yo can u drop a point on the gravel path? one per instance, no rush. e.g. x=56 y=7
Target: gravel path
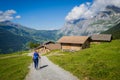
x=48 y=71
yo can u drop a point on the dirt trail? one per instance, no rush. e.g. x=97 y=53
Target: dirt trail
x=48 y=71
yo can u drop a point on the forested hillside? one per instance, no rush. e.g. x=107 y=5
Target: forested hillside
x=11 y=43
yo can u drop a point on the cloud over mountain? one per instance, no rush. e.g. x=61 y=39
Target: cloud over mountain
x=17 y=17
x=8 y=15
x=88 y=10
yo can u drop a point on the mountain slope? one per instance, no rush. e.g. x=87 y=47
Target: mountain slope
x=115 y=31
x=102 y=21
x=11 y=43
x=45 y=35
x=14 y=37
x=37 y=35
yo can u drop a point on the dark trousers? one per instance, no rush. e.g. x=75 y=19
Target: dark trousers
x=36 y=63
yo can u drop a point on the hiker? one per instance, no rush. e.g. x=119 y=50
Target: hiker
x=35 y=58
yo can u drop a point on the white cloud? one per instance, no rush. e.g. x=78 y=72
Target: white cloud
x=88 y=3
x=9 y=12
x=18 y=16
x=87 y=10
x=7 y=15
x=77 y=12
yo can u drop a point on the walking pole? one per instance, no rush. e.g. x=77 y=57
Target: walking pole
x=33 y=63
x=40 y=61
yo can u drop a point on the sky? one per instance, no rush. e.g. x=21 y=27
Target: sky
x=41 y=14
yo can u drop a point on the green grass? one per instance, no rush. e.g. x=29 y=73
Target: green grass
x=14 y=68
x=15 y=54
x=100 y=62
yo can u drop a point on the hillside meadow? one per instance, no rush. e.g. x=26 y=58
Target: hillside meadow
x=99 y=62
x=14 y=66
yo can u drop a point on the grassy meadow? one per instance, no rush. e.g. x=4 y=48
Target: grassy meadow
x=99 y=62
x=14 y=66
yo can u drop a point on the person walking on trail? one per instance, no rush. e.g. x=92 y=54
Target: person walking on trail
x=35 y=58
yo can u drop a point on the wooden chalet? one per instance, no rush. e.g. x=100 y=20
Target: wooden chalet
x=101 y=38
x=48 y=46
x=74 y=43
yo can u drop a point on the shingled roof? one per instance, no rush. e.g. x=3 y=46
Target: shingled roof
x=53 y=46
x=48 y=42
x=101 y=37
x=73 y=39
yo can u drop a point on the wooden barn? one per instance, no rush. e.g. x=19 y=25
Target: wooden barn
x=47 y=47
x=74 y=43
x=101 y=38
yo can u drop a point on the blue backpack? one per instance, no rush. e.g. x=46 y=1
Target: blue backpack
x=35 y=56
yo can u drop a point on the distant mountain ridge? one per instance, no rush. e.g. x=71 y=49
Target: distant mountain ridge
x=37 y=35
x=102 y=21
x=14 y=37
